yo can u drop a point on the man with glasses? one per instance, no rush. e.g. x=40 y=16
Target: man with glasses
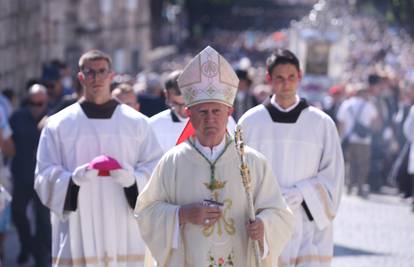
x=26 y=134
x=170 y=123
x=94 y=157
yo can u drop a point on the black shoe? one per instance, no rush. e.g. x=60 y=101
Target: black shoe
x=23 y=257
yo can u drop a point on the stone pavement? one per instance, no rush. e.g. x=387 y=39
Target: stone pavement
x=377 y=231
x=373 y=232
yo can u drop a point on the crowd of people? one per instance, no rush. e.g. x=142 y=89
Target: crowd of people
x=112 y=164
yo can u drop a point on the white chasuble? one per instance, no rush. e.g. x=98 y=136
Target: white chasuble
x=305 y=154
x=102 y=231
x=184 y=176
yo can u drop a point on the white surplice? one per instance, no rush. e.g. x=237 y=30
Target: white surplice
x=306 y=154
x=102 y=231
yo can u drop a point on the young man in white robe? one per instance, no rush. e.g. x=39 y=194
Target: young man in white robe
x=179 y=228
x=92 y=209
x=303 y=148
x=170 y=123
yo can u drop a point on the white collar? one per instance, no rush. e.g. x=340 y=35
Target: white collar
x=276 y=105
x=211 y=153
x=178 y=116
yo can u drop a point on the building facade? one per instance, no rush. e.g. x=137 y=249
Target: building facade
x=35 y=32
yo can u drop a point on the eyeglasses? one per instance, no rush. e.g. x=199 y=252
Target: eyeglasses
x=37 y=104
x=96 y=74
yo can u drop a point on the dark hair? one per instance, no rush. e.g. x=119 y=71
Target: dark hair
x=243 y=75
x=374 y=79
x=9 y=93
x=94 y=55
x=171 y=84
x=281 y=56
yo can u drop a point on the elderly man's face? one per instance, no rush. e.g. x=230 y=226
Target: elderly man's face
x=210 y=122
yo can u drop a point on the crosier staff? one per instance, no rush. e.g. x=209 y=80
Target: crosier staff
x=246 y=179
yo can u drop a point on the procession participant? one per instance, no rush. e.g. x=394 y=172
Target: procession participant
x=302 y=145
x=194 y=210
x=94 y=157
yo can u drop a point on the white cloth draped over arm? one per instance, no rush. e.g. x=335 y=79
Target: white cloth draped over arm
x=322 y=193
x=51 y=179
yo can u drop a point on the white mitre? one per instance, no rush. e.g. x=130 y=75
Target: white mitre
x=208 y=78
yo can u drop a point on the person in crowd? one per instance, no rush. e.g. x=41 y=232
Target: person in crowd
x=244 y=97
x=124 y=93
x=333 y=100
x=152 y=99
x=379 y=147
x=194 y=211
x=354 y=113
x=302 y=145
x=169 y=124
x=399 y=172
x=94 y=158
x=51 y=78
x=23 y=123
x=6 y=151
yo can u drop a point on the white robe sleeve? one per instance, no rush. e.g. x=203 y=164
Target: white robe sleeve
x=51 y=178
x=150 y=153
x=322 y=193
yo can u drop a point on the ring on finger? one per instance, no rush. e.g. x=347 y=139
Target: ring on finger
x=206 y=221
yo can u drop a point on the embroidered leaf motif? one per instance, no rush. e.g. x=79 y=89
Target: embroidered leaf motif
x=216 y=184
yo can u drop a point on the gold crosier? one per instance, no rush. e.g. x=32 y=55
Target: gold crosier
x=215 y=185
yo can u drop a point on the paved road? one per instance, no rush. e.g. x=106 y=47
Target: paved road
x=378 y=231
x=373 y=232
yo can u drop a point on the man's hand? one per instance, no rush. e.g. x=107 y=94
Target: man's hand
x=83 y=174
x=199 y=213
x=293 y=197
x=124 y=177
x=255 y=230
